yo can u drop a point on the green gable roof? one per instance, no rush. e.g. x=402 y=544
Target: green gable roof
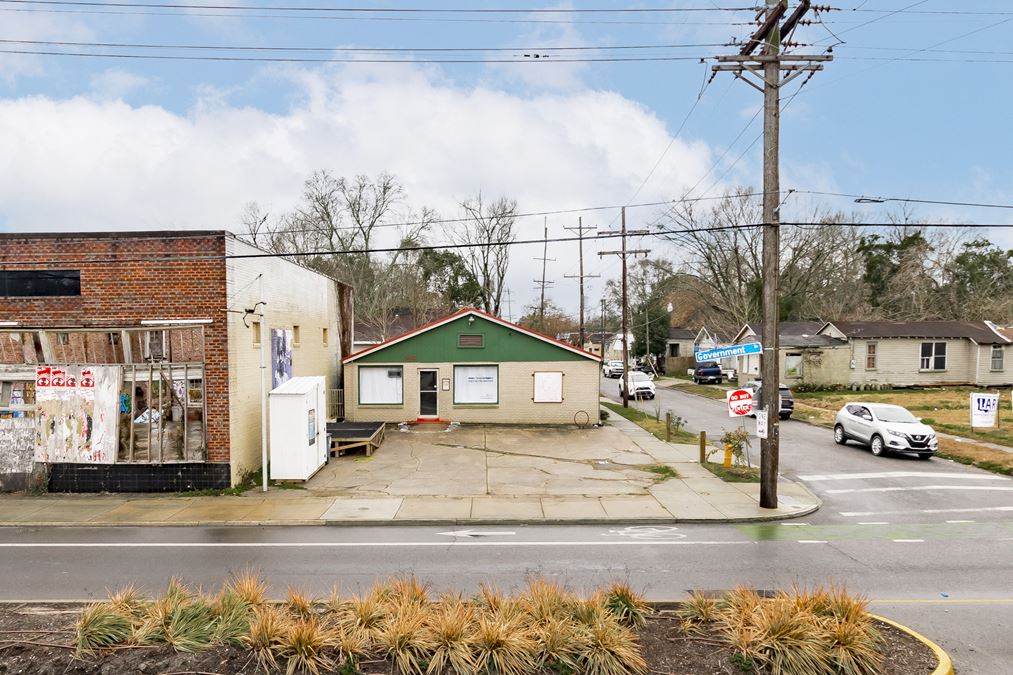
x=502 y=342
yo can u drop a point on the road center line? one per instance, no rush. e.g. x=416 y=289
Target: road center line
x=909 y=541
x=860 y=514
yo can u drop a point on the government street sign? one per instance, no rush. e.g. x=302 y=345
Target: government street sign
x=729 y=352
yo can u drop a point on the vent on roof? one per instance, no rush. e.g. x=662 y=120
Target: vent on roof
x=473 y=340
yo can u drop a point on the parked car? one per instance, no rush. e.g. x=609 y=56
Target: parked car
x=708 y=371
x=640 y=385
x=612 y=369
x=787 y=399
x=885 y=428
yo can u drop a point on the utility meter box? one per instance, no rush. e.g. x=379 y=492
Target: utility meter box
x=298 y=417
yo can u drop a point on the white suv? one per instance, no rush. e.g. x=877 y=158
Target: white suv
x=640 y=385
x=885 y=428
x=612 y=369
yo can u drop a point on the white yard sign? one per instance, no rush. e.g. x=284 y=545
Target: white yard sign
x=984 y=410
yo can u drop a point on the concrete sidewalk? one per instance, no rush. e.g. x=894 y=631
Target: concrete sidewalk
x=696 y=496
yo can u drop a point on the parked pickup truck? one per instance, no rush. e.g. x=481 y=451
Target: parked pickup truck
x=708 y=371
x=612 y=369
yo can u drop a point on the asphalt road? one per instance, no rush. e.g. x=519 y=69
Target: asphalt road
x=931 y=544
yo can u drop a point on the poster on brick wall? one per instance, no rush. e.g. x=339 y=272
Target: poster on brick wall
x=76 y=423
x=281 y=356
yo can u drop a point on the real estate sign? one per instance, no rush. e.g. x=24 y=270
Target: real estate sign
x=984 y=409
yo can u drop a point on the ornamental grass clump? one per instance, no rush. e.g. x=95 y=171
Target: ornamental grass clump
x=365 y=615
x=100 y=626
x=405 y=640
x=250 y=588
x=305 y=646
x=268 y=633
x=612 y=650
x=504 y=646
x=545 y=600
x=451 y=627
x=819 y=632
x=232 y=617
x=560 y=644
x=191 y=626
x=631 y=608
x=299 y=603
x=697 y=612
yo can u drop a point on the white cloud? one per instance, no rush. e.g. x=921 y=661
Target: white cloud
x=83 y=163
x=115 y=83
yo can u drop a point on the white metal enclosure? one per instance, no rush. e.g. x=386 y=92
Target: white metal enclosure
x=298 y=417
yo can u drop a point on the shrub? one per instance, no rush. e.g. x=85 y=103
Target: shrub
x=100 y=626
x=232 y=618
x=699 y=610
x=190 y=627
x=603 y=415
x=545 y=600
x=365 y=615
x=408 y=592
x=738 y=441
x=561 y=643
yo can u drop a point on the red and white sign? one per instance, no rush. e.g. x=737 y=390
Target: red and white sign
x=740 y=402
x=59 y=378
x=87 y=378
x=43 y=376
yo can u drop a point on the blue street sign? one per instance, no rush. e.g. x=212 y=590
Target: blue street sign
x=729 y=352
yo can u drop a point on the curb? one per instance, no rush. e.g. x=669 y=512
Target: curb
x=945 y=666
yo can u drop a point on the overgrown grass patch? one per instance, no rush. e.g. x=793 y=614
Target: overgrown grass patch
x=736 y=474
x=649 y=423
x=662 y=471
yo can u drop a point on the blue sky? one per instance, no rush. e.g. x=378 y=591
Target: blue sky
x=100 y=143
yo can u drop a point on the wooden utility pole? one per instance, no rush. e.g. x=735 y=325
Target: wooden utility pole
x=624 y=253
x=543 y=283
x=580 y=247
x=767 y=68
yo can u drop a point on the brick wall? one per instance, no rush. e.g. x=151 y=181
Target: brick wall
x=135 y=287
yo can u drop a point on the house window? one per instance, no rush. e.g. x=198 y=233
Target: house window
x=154 y=345
x=474 y=340
x=63 y=338
x=548 y=387
x=933 y=356
x=295 y=336
x=997 y=357
x=870 y=355
x=793 y=365
x=476 y=384
x=324 y=337
x=381 y=385
x=35 y=283
x=256 y=333
x=673 y=350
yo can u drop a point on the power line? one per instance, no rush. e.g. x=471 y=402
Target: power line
x=292 y=59
x=363 y=50
x=383 y=10
x=874 y=199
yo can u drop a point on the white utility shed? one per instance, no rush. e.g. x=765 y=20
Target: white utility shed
x=298 y=417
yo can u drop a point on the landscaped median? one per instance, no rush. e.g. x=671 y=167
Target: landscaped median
x=402 y=626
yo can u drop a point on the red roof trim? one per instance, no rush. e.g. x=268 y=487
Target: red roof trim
x=458 y=314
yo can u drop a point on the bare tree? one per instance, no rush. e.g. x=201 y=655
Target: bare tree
x=489 y=229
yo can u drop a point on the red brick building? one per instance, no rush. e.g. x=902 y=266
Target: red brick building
x=127 y=360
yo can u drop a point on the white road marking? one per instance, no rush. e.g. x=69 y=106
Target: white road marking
x=874 y=522
x=477 y=533
x=901 y=474
x=909 y=541
x=960 y=521
x=860 y=514
x=812 y=541
x=795 y=524
x=364 y=544
x=919 y=488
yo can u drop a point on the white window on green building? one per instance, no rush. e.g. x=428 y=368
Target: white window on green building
x=381 y=385
x=476 y=385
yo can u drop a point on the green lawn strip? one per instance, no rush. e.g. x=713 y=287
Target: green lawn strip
x=649 y=423
x=736 y=474
x=712 y=391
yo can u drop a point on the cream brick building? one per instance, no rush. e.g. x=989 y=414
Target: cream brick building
x=472 y=367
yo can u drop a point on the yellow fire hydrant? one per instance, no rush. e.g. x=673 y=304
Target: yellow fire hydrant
x=728 y=456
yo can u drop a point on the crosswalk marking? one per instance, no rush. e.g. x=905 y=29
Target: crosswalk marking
x=919 y=488
x=901 y=474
